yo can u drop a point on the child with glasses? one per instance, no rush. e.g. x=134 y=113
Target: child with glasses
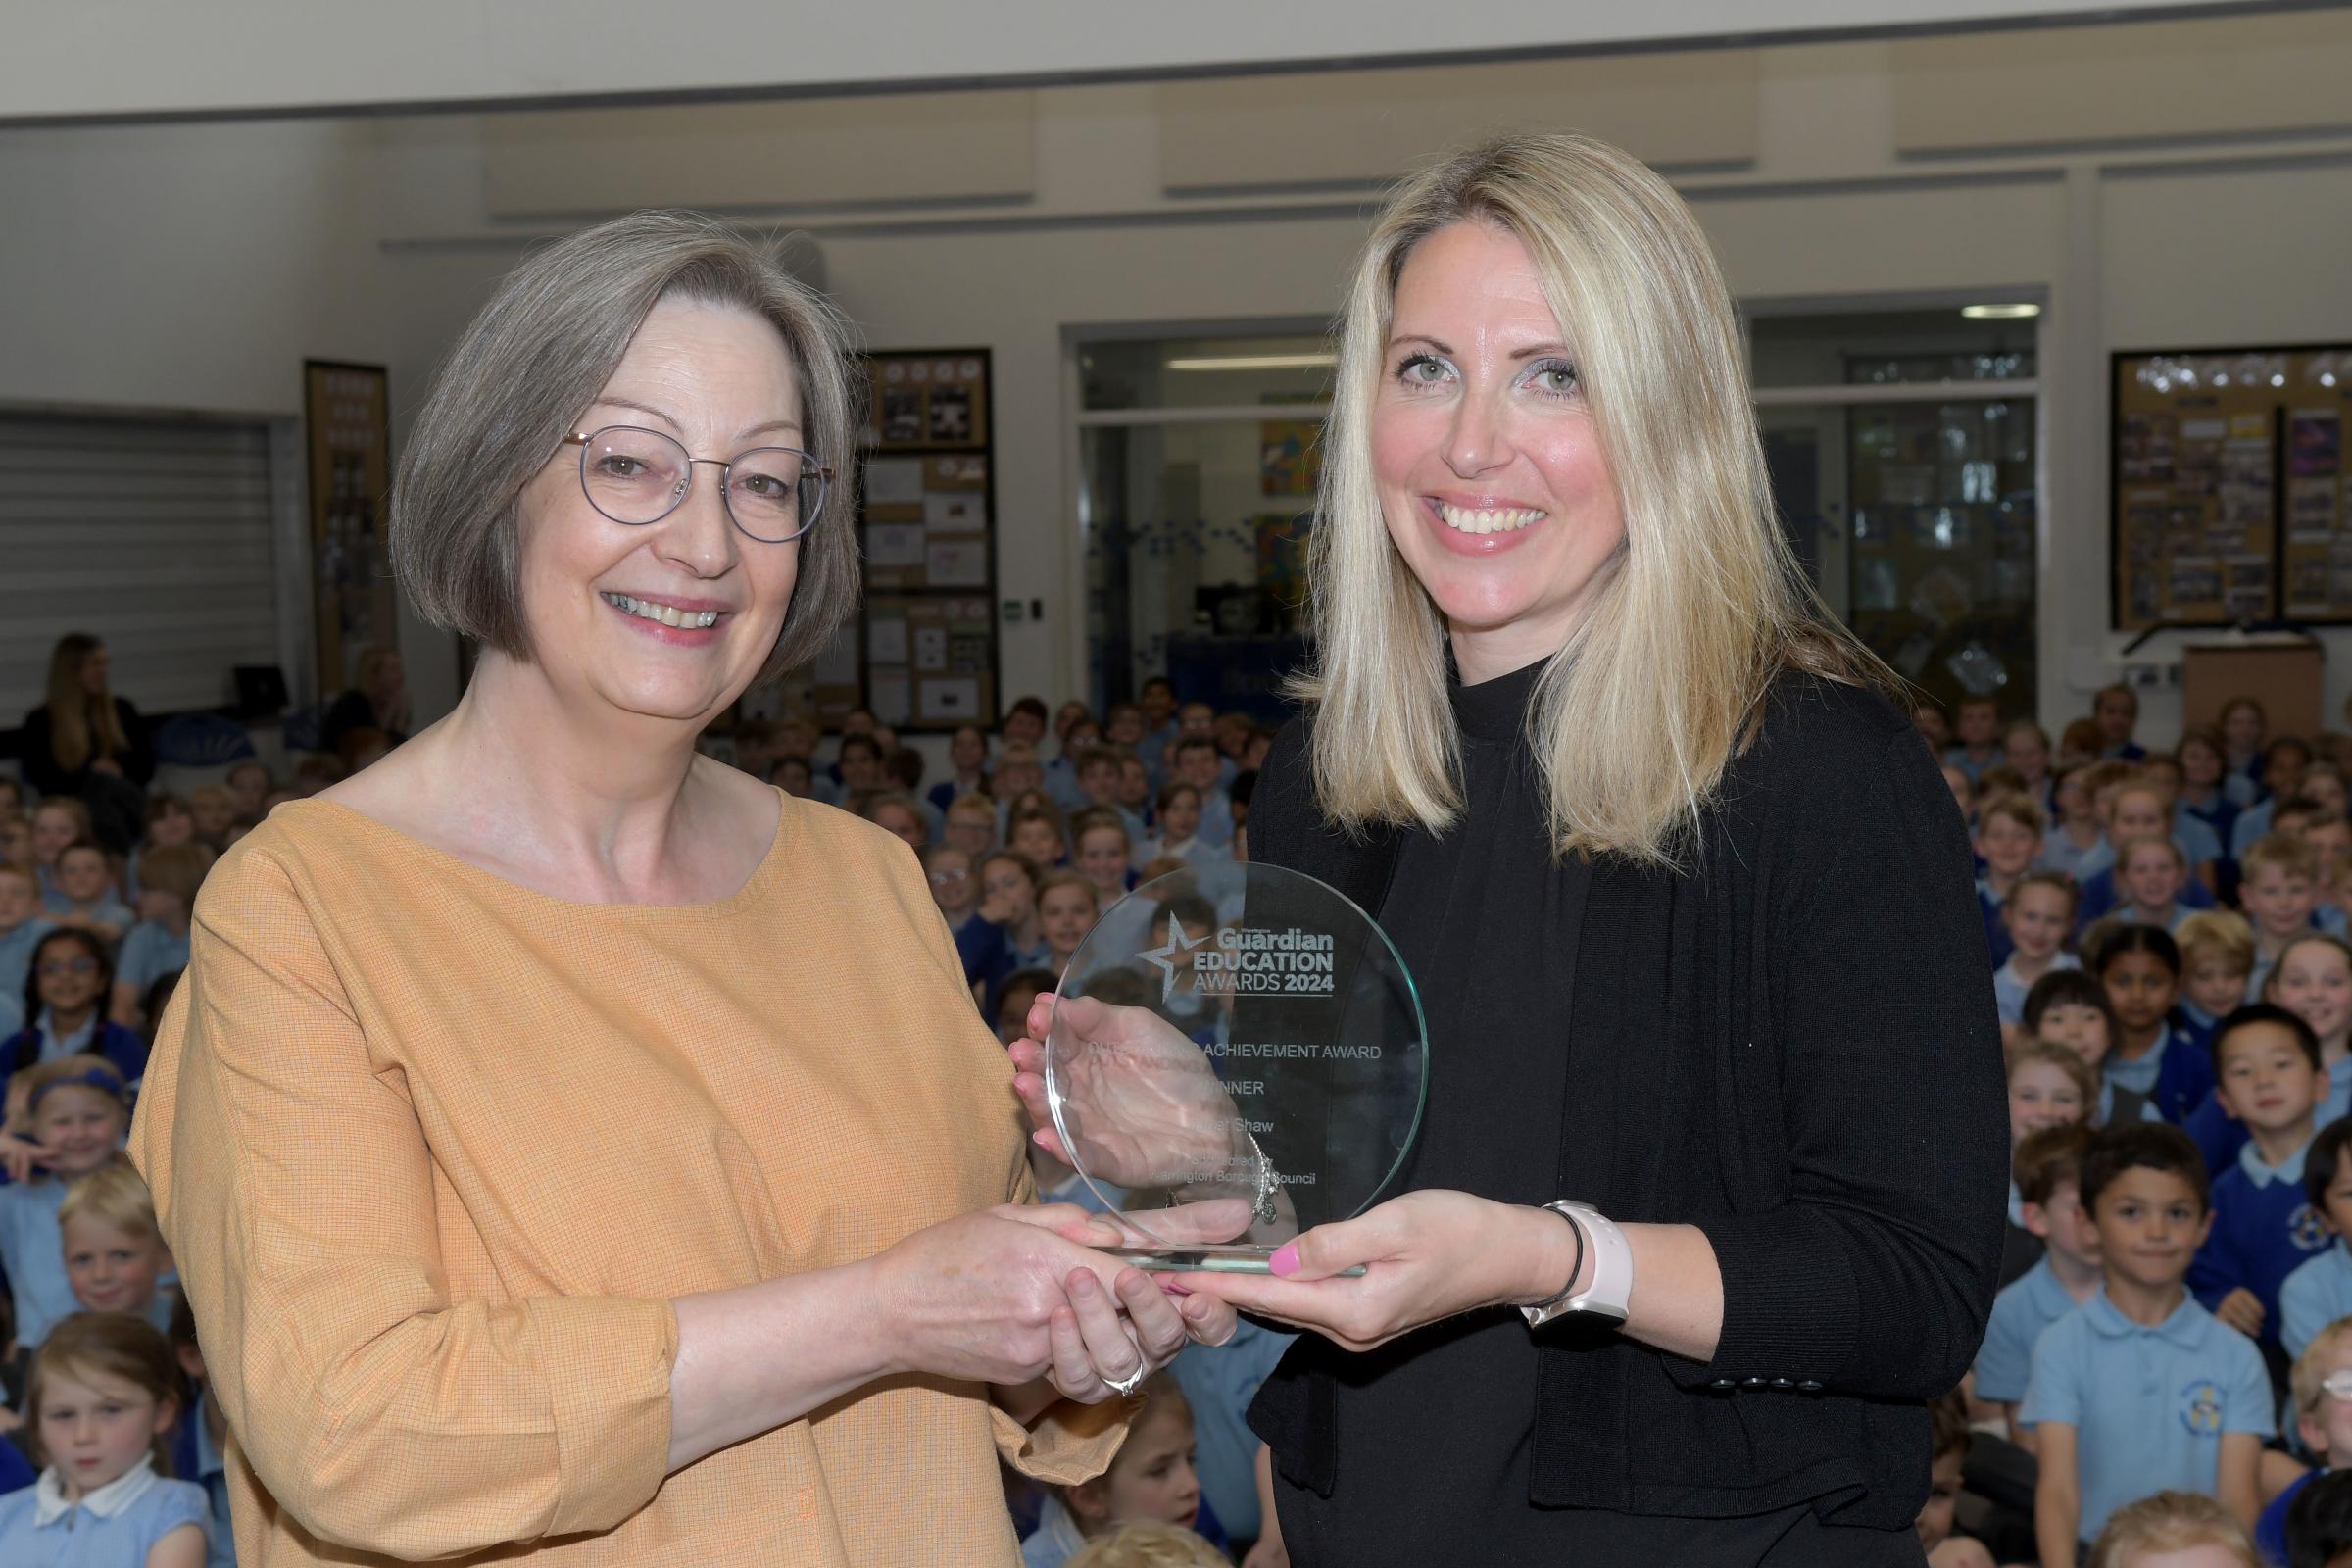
x=2323 y=1388
x=66 y=993
x=77 y=1111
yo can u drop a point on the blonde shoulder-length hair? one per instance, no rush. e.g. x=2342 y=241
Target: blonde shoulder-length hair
x=1702 y=606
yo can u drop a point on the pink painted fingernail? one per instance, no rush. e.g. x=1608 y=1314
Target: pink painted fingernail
x=1285 y=1261
x=1171 y=1288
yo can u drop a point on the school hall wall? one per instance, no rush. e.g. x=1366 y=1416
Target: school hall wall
x=196 y=266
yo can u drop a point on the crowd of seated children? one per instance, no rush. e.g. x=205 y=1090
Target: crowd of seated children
x=2203 y=895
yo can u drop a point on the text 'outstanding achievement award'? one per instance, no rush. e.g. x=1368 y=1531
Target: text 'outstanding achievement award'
x=1238 y=1054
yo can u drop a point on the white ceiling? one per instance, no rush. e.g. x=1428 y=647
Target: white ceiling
x=101 y=58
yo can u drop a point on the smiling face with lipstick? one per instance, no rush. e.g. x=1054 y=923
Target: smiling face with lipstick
x=1487 y=459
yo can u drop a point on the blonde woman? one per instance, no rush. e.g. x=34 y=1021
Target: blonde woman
x=1717 y=1097
x=505 y=1127
x=90 y=745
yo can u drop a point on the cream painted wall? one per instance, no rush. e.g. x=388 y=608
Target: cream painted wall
x=197 y=267
x=187 y=265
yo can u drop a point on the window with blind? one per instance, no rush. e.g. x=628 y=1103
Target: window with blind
x=153 y=534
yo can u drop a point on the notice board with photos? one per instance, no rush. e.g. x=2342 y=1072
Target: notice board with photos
x=2232 y=498
x=927 y=527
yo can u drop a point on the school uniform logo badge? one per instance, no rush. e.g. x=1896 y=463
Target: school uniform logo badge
x=2201 y=1408
x=2307 y=1230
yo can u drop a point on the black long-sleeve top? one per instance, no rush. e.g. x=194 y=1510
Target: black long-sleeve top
x=1793 y=1045
x=46 y=774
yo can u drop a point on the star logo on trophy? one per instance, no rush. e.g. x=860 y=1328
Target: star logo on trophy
x=1169 y=957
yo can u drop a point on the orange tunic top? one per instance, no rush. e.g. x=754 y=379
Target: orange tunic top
x=434 y=1151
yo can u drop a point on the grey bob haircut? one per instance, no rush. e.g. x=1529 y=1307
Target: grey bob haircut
x=523 y=375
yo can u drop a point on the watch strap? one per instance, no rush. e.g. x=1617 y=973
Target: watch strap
x=1608 y=1295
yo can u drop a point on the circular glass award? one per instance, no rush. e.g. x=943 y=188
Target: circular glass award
x=1238 y=1054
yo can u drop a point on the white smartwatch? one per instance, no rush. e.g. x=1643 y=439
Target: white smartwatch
x=1612 y=1287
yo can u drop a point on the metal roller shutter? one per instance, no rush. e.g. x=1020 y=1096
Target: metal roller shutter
x=153 y=534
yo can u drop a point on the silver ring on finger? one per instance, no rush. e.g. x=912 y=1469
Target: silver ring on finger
x=1131 y=1381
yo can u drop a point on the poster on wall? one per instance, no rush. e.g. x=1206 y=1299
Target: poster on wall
x=346 y=418
x=927 y=520
x=2231 y=498
x=930 y=659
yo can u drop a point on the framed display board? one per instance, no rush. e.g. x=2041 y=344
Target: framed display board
x=348 y=425
x=2231 y=495
x=927 y=513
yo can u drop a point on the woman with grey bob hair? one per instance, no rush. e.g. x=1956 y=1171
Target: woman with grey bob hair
x=571 y=1144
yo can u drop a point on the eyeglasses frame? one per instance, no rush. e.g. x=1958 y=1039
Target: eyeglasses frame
x=727 y=467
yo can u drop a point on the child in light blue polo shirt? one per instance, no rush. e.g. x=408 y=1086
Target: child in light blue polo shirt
x=2048 y=1169
x=2320 y=1291
x=2141 y=1390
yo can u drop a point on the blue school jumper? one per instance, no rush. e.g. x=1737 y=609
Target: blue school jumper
x=2264 y=1229
x=2149 y=1406
x=2269 y=1531
x=2315 y=1296
x=2220 y=819
x=2025 y=1307
x=2170 y=1075
x=1997 y=935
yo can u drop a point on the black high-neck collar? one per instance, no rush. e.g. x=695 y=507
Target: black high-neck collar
x=1495 y=709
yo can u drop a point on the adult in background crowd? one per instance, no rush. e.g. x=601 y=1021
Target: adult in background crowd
x=378 y=699
x=90 y=745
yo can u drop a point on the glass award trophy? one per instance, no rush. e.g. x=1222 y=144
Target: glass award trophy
x=1236 y=1055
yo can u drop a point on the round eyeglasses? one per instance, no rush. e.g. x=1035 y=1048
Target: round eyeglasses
x=637 y=476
